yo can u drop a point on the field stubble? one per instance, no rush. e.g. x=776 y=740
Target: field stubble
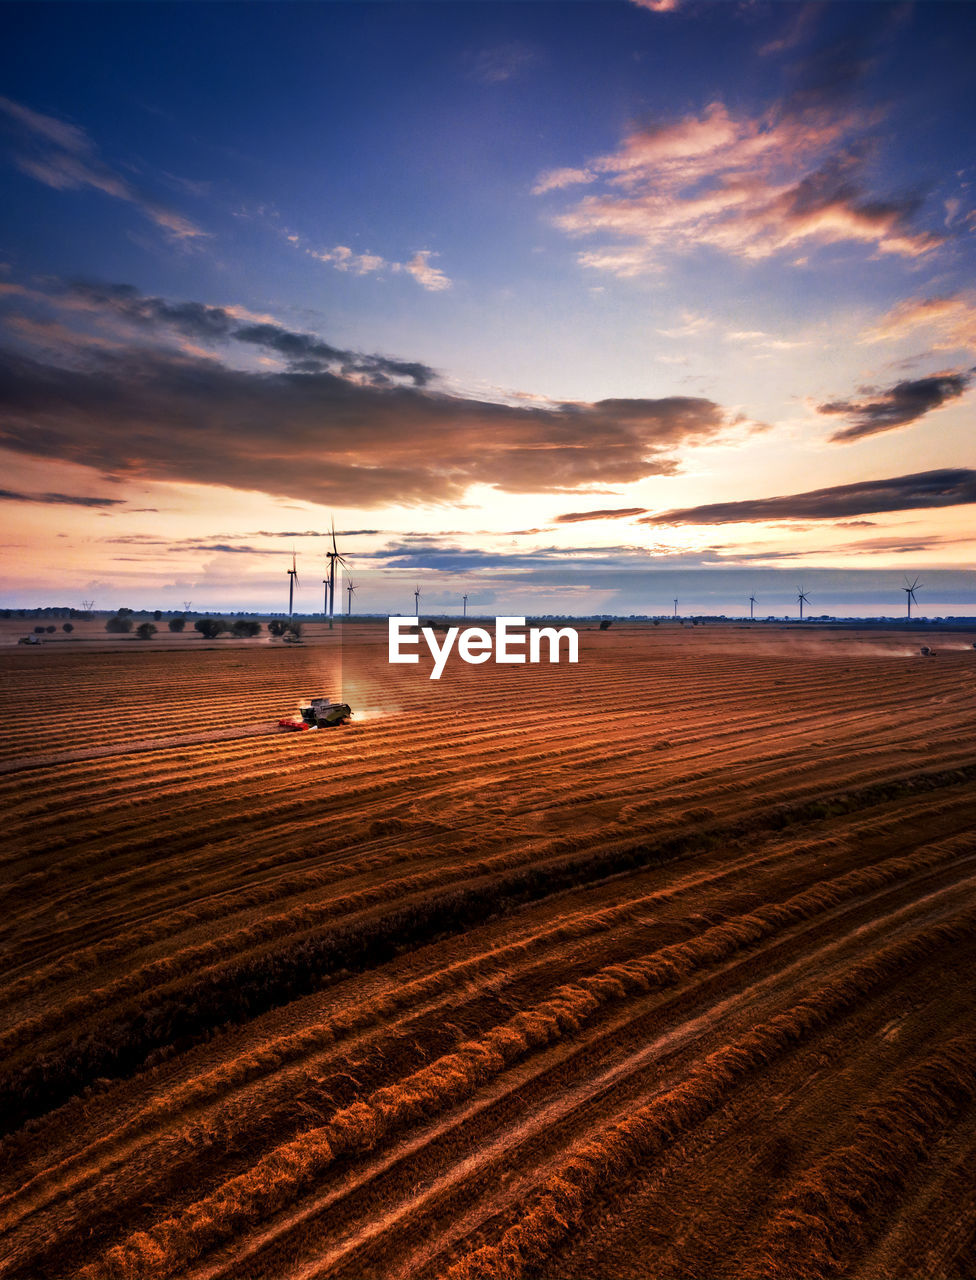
x=656 y=966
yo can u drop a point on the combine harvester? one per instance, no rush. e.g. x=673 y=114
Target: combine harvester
x=318 y=713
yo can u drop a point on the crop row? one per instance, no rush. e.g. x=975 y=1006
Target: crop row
x=562 y=1202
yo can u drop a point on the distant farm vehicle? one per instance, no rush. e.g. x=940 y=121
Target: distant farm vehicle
x=30 y=640
x=926 y=652
x=318 y=713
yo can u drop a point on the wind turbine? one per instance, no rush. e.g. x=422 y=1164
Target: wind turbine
x=676 y=606
x=803 y=599
x=416 y=601
x=350 y=588
x=465 y=604
x=334 y=559
x=292 y=581
x=752 y=607
x=910 y=595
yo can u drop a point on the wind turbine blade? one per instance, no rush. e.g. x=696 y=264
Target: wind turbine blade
x=334 y=547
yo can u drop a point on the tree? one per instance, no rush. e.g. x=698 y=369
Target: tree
x=68 y=626
x=50 y=629
x=119 y=624
x=277 y=627
x=145 y=630
x=176 y=624
x=124 y=613
x=38 y=631
x=157 y=614
x=210 y=628
x=244 y=628
x=295 y=628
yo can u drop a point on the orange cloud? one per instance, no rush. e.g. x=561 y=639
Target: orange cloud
x=950 y=320
x=749 y=187
x=422 y=270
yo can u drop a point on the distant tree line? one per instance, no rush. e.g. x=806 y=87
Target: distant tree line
x=209 y=628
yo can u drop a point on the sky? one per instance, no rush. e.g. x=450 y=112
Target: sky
x=564 y=306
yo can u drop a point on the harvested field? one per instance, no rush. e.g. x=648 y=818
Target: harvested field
x=656 y=966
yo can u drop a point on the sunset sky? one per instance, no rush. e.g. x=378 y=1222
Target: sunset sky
x=543 y=302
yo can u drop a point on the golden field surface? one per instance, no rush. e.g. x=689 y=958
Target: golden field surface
x=656 y=966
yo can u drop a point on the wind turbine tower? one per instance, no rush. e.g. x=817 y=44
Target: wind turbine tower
x=676 y=606
x=292 y=580
x=909 y=590
x=464 y=600
x=416 y=601
x=334 y=559
x=752 y=608
x=803 y=599
x=350 y=588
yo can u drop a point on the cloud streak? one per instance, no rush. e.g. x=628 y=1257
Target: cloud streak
x=607 y=513
x=925 y=490
x=59 y=499
x=951 y=322
x=62 y=156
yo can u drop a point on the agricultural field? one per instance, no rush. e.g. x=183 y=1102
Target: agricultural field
x=657 y=966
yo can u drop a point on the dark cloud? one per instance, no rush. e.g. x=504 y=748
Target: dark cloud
x=608 y=513
x=153 y=415
x=315 y=533
x=304 y=352
x=454 y=559
x=927 y=489
x=898 y=406
x=224 y=547
x=59 y=499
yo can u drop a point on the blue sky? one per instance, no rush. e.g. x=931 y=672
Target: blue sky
x=464 y=270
